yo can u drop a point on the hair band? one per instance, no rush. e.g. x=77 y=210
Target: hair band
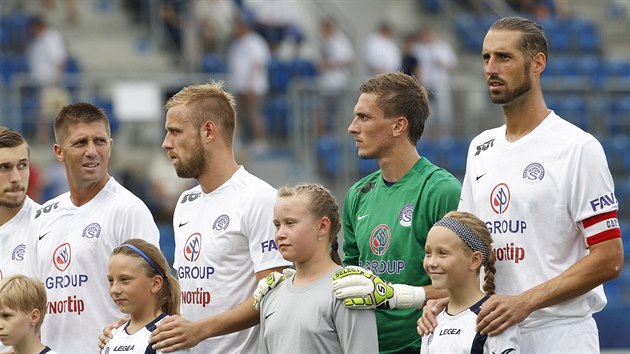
x=146 y=258
x=467 y=235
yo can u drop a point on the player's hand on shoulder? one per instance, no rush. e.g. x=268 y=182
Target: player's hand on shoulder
x=500 y=312
x=104 y=337
x=269 y=282
x=175 y=333
x=427 y=322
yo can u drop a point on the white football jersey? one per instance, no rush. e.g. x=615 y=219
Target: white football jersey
x=13 y=240
x=544 y=198
x=71 y=255
x=137 y=343
x=222 y=239
x=456 y=334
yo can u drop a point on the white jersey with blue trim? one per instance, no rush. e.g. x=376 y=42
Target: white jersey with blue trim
x=456 y=334
x=544 y=198
x=137 y=343
x=71 y=254
x=13 y=240
x=222 y=239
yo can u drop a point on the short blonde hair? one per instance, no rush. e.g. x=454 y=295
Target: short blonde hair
x=208 y=102
x=24 y=294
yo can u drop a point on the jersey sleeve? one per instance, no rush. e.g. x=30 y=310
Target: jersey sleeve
x=443 y=197
x=260 y=231
x=592 y=201
x=466 y=197
x=138 y=223
x=350 y=248
x=506 y=342
x=424 y=347
x=356 y=329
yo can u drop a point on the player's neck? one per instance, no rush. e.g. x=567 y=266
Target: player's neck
x=396 y=165
x=312 y=270
x=28 y=345
x=81 y=194
x=462 y=298
x=523 y=116
x=7 y=214
x=140 y=320
x=217 y=172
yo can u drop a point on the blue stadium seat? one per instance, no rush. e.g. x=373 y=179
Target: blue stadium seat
x=279 y=75
x=212 y=63
x=328 y=155
x=303 y=68
x=618 y=117
x=276 y=112
x=574 y=109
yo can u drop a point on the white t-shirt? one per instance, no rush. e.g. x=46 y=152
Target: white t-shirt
x=456 y=334
x=221 y=240
x=544 y=198
x=46 y=55
x=13 y=240
x=337 y=52
x=71 y=255
x=382 y=54
x=247 y=64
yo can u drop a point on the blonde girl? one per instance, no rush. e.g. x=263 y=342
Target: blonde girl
x=301 y=314
x=141 y=285
x=457 y=247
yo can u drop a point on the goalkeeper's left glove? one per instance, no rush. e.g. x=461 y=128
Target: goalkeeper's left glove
x=269 y=282
x=360 y=289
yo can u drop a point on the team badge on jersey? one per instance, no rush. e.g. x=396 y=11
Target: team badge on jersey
x=379 y=239
x=221 y=223
x=62 y=256
x=405 y=215
x=192 y=247
x=533 y=173
x=92 y=231
x=18 y=253
x=500 y=198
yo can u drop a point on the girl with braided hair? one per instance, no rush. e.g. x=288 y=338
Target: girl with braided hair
x=457 y=247
x=301 y=314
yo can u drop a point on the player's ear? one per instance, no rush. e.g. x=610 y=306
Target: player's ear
x=157 y=284
x=400 y=126
x=35 y=317
x=58 y=152
x=476 y=260
x=208 y=130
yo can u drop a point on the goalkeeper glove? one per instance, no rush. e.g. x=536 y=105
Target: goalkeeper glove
x=360 y=289
x=269 y=282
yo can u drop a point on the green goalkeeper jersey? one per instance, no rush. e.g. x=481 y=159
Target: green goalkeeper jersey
x=385 y=230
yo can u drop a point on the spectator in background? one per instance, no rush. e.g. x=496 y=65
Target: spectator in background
x=248 y=58
x=337 y=55
x=214 y=22
x=47 y=55
x=410 y=64
x=437 y=59
x=382 y=53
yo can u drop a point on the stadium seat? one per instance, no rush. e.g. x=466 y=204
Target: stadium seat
x=574 y=109
x=303 y=68
x=276 y=112
x=328 y=156
x=212 y=63
x=279 y=75
x=618 y=117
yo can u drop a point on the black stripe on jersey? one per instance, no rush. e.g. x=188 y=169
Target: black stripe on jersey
x=480 y=340
x=151 y=326
x=45 y=350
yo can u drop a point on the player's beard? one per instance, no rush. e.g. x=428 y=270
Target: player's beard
x=193 y=167
x=9 y=203
x=511 y=95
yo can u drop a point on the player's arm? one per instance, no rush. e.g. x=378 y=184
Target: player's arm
x=176 y=332
x=603 y=263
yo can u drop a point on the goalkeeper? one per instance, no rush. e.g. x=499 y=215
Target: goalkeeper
x=388 y=214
